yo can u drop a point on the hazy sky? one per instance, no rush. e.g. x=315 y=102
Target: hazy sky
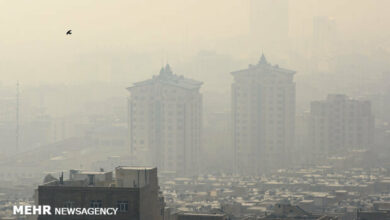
x=35 y=49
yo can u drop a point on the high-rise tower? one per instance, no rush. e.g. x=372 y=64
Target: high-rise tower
x=165 y=117
x=263 y=110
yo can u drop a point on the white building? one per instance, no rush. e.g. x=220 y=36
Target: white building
x=263 y=110
x=165 y=115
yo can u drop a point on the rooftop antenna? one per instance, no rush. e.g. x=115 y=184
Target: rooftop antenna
x=163 y=57
x=62 y=178
x=17 y=117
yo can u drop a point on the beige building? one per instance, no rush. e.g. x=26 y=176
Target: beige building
x=339 y=123
x=165 y=115
x=263 y=110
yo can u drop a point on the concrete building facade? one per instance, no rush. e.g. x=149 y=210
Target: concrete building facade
x=165 y=121
x=263 y=111
x=139 y=199
x=339 y=124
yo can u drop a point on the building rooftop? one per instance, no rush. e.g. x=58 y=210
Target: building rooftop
x=167 y=77
x=127 y=177
x=263 y=64
x=135 y=168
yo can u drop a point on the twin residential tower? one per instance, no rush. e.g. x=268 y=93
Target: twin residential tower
x=165 y=120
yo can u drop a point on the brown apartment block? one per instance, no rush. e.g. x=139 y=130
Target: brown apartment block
x=134 y=191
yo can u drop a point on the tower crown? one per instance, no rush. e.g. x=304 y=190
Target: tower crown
x=263 y=60
x=166 y=71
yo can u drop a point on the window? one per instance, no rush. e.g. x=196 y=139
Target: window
x=96 y=203
x=91 y=179
x=123 y=206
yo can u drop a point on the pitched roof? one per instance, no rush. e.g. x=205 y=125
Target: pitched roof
x=166 y=76
x=263 y=64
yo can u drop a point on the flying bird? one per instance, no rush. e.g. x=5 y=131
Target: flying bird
x=69 y=32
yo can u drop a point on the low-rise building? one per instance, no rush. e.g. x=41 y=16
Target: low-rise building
x=133 y=190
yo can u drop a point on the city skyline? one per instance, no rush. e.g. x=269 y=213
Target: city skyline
x=195 y=110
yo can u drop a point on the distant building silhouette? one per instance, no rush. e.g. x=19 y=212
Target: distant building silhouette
x=324 y=40
x=165 y=116
x=263 y=108
x=339 y=123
